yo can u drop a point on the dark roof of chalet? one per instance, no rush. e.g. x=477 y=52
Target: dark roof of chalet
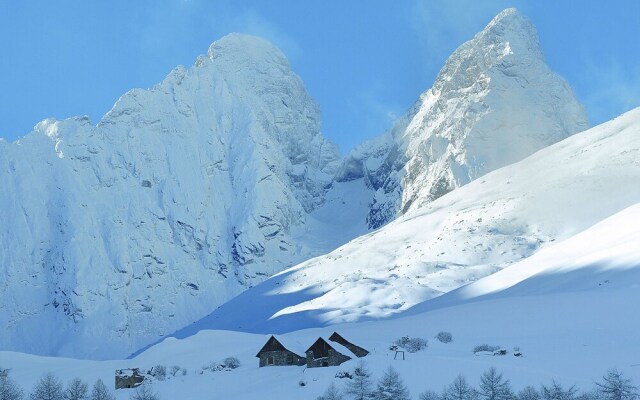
x=335 y=337
x=273 y=345
x=320 y=348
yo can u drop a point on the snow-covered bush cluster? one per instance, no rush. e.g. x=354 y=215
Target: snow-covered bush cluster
x=227 y=364
x=412 y=345
x=159 y=372
x=231 y=362
x=485 y=347
x=444 y=337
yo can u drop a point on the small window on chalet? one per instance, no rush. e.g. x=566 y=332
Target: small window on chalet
x=289 y=359
x=270 y=360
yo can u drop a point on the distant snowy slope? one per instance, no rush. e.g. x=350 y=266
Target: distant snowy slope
x=494 y=102
x=467 y=234
x=570 y=315
x=180 y=198
x=605 y=257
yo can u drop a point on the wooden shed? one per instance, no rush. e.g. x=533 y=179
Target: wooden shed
x=322 y=354
x=274 y=353
x=357 y=350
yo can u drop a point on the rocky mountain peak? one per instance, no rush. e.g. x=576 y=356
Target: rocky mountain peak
x=493 y=103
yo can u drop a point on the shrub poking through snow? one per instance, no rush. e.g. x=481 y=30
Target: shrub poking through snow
x=174 y=370
x=444 y=337
x=485 y=347
x=228 y=364
x=412 y=345
x=343 y=375
x=231 y=362
x=159 y=372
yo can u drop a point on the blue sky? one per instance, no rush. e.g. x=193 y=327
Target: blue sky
x=364 y=61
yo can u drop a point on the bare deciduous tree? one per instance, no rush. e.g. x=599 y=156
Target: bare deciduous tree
x=614 y=386
x=48 y=387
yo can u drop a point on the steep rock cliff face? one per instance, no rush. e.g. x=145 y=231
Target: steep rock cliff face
x=180 y=198
x=493 y=103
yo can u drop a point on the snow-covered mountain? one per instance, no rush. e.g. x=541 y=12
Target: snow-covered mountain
x=493 y=103
x=185 y=195
x=474 y=231
x=180 y=198
x=566 y=309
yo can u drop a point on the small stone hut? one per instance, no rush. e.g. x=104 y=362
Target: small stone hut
x=321 y=354
x=274 y=353
x=128 y=378
x=357 y=350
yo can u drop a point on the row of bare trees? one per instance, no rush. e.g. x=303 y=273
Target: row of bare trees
x=492 y=386
x=49 y=387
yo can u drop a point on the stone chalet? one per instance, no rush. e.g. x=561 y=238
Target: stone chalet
x=320 y=354
x=274 y=353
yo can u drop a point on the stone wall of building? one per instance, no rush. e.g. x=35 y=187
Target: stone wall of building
x=280 y=358
x=334 y=358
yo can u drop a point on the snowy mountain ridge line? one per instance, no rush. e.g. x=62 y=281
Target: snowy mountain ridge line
x=474 y=231
x=186 y=194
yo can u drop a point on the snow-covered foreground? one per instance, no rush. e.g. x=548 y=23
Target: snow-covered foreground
x=569 y=309
x=472 y=232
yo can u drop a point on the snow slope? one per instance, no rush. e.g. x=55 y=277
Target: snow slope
x=474 y=231
x=567 y=309
x=604 y=258
x=494 y=102
x=181 y=197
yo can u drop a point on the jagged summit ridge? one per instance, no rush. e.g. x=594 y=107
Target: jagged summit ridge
x=493 y=103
